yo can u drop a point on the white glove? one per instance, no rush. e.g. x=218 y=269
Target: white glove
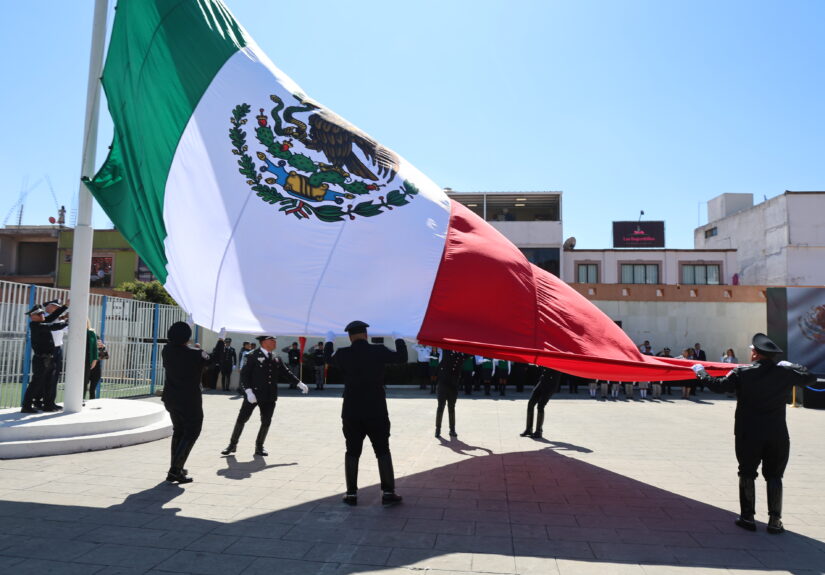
x=698 y=368
x=222 y=333
x=330 y=337
x=190 y=321
x=250 y=396
x=303 y=387
x=784 y=363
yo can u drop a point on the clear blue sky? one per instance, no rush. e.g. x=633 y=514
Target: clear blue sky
x=622 y=106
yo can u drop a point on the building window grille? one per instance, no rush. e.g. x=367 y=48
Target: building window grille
x=700 y=274
x=709 y=233
x=640 y=273
x=587 y=273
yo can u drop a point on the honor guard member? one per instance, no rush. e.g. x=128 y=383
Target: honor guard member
x=55 y=309
x=228 y=361
x=182 y=396
x=318 y=365
x=449 y=380
x=259 y=380
x=41 y=328
x=548 y=384
x=293 y=355
x=364 y=412
x=762 y=390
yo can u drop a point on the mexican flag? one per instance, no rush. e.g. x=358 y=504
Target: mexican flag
x=262 y=211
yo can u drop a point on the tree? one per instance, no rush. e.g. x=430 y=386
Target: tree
x=152 y=291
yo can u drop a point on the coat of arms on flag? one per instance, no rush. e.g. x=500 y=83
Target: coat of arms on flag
x=311 y=166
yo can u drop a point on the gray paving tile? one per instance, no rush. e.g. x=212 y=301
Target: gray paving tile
x=345 y=553
x=126 y=556
x=204 y=563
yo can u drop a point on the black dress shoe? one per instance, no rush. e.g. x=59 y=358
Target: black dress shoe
x=351 y=500
x=437 y=432
x=28 y=409
x=536 y=435
x=179 y=477
x=261 y=451
x=390 y=499
x=526 y=433
x=231 y=448
x=748 y=524
x=453 y=433
x=775 y=526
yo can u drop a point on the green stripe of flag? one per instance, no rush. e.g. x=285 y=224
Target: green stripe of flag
x=162 y=57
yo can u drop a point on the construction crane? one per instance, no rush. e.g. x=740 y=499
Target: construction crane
x=25 y=189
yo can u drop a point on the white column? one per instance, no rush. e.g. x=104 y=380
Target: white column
x=82 y=247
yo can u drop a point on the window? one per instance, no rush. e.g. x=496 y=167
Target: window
x=640 y=273
x=709 y=233
x=700 y=274
x=587 y=273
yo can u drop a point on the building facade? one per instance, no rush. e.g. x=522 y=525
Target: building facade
x=779 y=242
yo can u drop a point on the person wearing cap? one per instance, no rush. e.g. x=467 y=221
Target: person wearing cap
x=41 y=327
x=54 y=308
x=364 y=411
x=318 y=365
x=761 y=434
x=227 y=362
x=259 y=380
x=293 y=355
x=182 y=396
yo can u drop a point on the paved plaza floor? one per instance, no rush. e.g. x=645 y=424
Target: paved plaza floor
x=616 y=487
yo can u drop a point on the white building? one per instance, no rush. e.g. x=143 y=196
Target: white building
x=780 y=242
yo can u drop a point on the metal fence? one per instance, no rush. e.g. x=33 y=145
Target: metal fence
x=133 y=331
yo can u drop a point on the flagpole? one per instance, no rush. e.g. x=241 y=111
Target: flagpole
x=82 y=245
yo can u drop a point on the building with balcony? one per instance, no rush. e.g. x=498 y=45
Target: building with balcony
x=530 y=220
x=28 y=254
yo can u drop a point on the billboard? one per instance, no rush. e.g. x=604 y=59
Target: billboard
x=639 y=234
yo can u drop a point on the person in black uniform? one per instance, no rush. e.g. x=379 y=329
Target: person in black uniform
x=182 y=396
x=548 y=384
x=228 y=360
x=293 y=355
x=318 y=365
x=49 y=398
x=364 y=412
x=449 y=380
x=41 y=327
x=761 y=432
x=259 y=380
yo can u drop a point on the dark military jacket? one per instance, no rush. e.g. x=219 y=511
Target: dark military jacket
x=183 y=366
x=260 y=374
x=449 y=370
x=362 y=368
x=548 y=384
x=41 y=331
x=761 y=395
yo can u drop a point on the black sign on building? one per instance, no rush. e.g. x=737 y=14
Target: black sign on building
x=638 y=234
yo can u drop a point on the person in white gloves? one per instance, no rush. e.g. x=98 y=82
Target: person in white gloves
x=259 y=380
x=364 y=413
x=760 y=429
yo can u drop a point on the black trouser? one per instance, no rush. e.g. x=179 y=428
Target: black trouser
x=42 y=368
x=187 y=422
x=93 y=379
x=226 y=375
x=467 y=381
x=50 y=391
x=771 y=453
x=538 y=398
x=446 y=396
x=267 y=409
x=378 y=430
x=423 y=373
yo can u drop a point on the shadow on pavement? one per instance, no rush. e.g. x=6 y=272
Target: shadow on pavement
x=523 y=505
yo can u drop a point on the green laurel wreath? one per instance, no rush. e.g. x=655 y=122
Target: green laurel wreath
x=319 y=176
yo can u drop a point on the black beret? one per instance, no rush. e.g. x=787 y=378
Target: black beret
x=228 y=340
x=356 y=326
x=179 y=332
x=763 y=343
